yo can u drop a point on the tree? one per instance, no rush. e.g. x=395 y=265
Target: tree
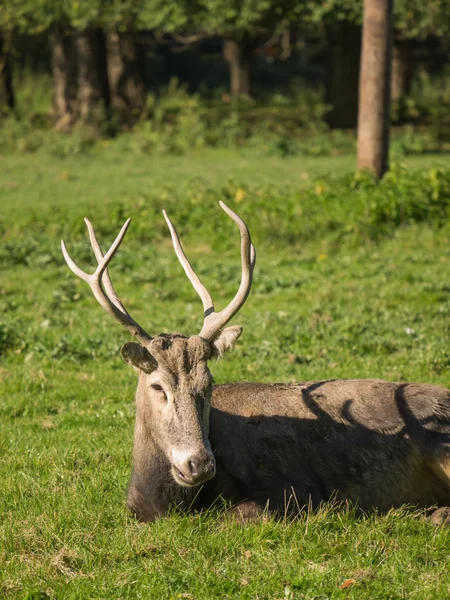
x=240 y=23
x=340 y=21
x=125 y=75
x=79 y=64
x=80 y=82
x=238 y=52
x=93 y=95
x=15 y=17
x=121 y=21
x=94 y=59
x=64 y=64
x=341 y=81
x=7 y=100
x=80 y=89
x=403 y=63
x=97 y=62
x=374 y=86
x=414 y=20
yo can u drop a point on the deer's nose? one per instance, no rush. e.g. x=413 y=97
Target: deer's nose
x=194 y=469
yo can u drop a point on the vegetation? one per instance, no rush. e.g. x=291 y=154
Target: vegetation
x=350 y=282
x=96 y=49
x=290 y=124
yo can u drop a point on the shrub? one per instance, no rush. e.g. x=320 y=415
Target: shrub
x=8 y=337
x=358 y=204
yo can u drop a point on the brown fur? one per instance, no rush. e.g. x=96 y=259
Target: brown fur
x=278 y=447
x=267 y=448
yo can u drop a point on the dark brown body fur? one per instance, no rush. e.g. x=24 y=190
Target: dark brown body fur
x=282 y=447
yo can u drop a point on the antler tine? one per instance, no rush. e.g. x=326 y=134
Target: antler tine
x=106 y=280
x=113 y=306
x=205 y=297
x=215 y=321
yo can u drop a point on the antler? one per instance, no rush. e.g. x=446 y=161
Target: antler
x=215 y=321
x=105 y=294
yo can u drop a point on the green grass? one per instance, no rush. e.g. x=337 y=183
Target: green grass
x=332 y=297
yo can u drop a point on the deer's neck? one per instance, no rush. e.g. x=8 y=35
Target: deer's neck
x=152 y=490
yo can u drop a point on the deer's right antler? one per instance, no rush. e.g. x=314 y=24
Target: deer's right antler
x=105 y=294
x=215 y=321
x=101 y=285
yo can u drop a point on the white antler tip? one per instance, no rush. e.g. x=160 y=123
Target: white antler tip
x=100 y=282
x=168 y=221
x=64 y=249
x=228 y=210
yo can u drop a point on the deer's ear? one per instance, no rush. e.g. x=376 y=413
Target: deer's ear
x=225 y=340
x=138 y=357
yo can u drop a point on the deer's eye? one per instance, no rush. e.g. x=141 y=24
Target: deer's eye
x=157 y=388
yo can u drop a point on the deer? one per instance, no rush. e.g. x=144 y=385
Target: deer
x=266 y=449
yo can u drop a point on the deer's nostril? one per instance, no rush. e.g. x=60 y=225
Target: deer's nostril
x=193 y=467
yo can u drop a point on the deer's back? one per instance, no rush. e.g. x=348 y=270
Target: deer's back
x=371 y=440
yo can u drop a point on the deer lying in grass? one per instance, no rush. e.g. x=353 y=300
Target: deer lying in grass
x=275 y=447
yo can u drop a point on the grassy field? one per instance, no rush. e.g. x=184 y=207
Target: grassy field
x=335 y=295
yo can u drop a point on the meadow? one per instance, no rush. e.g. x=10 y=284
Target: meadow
x=352 y=280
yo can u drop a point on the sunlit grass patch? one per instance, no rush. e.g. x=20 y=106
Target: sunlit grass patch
x=335 y=295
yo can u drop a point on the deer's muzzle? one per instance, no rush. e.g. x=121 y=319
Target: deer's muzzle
x=190 y=469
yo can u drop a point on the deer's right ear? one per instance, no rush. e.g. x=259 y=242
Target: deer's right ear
x=225 y=340
x=138 y=357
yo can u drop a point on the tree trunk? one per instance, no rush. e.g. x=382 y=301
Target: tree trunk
x=93 y=97
x=402 y=68
x=80 y=80
x=375 y=86
x=238 y=53
x=344 y=51
x=64 y=70
x=126 y=76
x=7 y=99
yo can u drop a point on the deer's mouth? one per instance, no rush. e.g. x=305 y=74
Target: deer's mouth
x=183 y=479
x=192 y=481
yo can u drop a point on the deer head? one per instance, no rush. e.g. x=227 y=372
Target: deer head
x=175 y=384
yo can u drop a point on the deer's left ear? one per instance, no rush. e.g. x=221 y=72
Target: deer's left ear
x=225 y=340
x=138 y=357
